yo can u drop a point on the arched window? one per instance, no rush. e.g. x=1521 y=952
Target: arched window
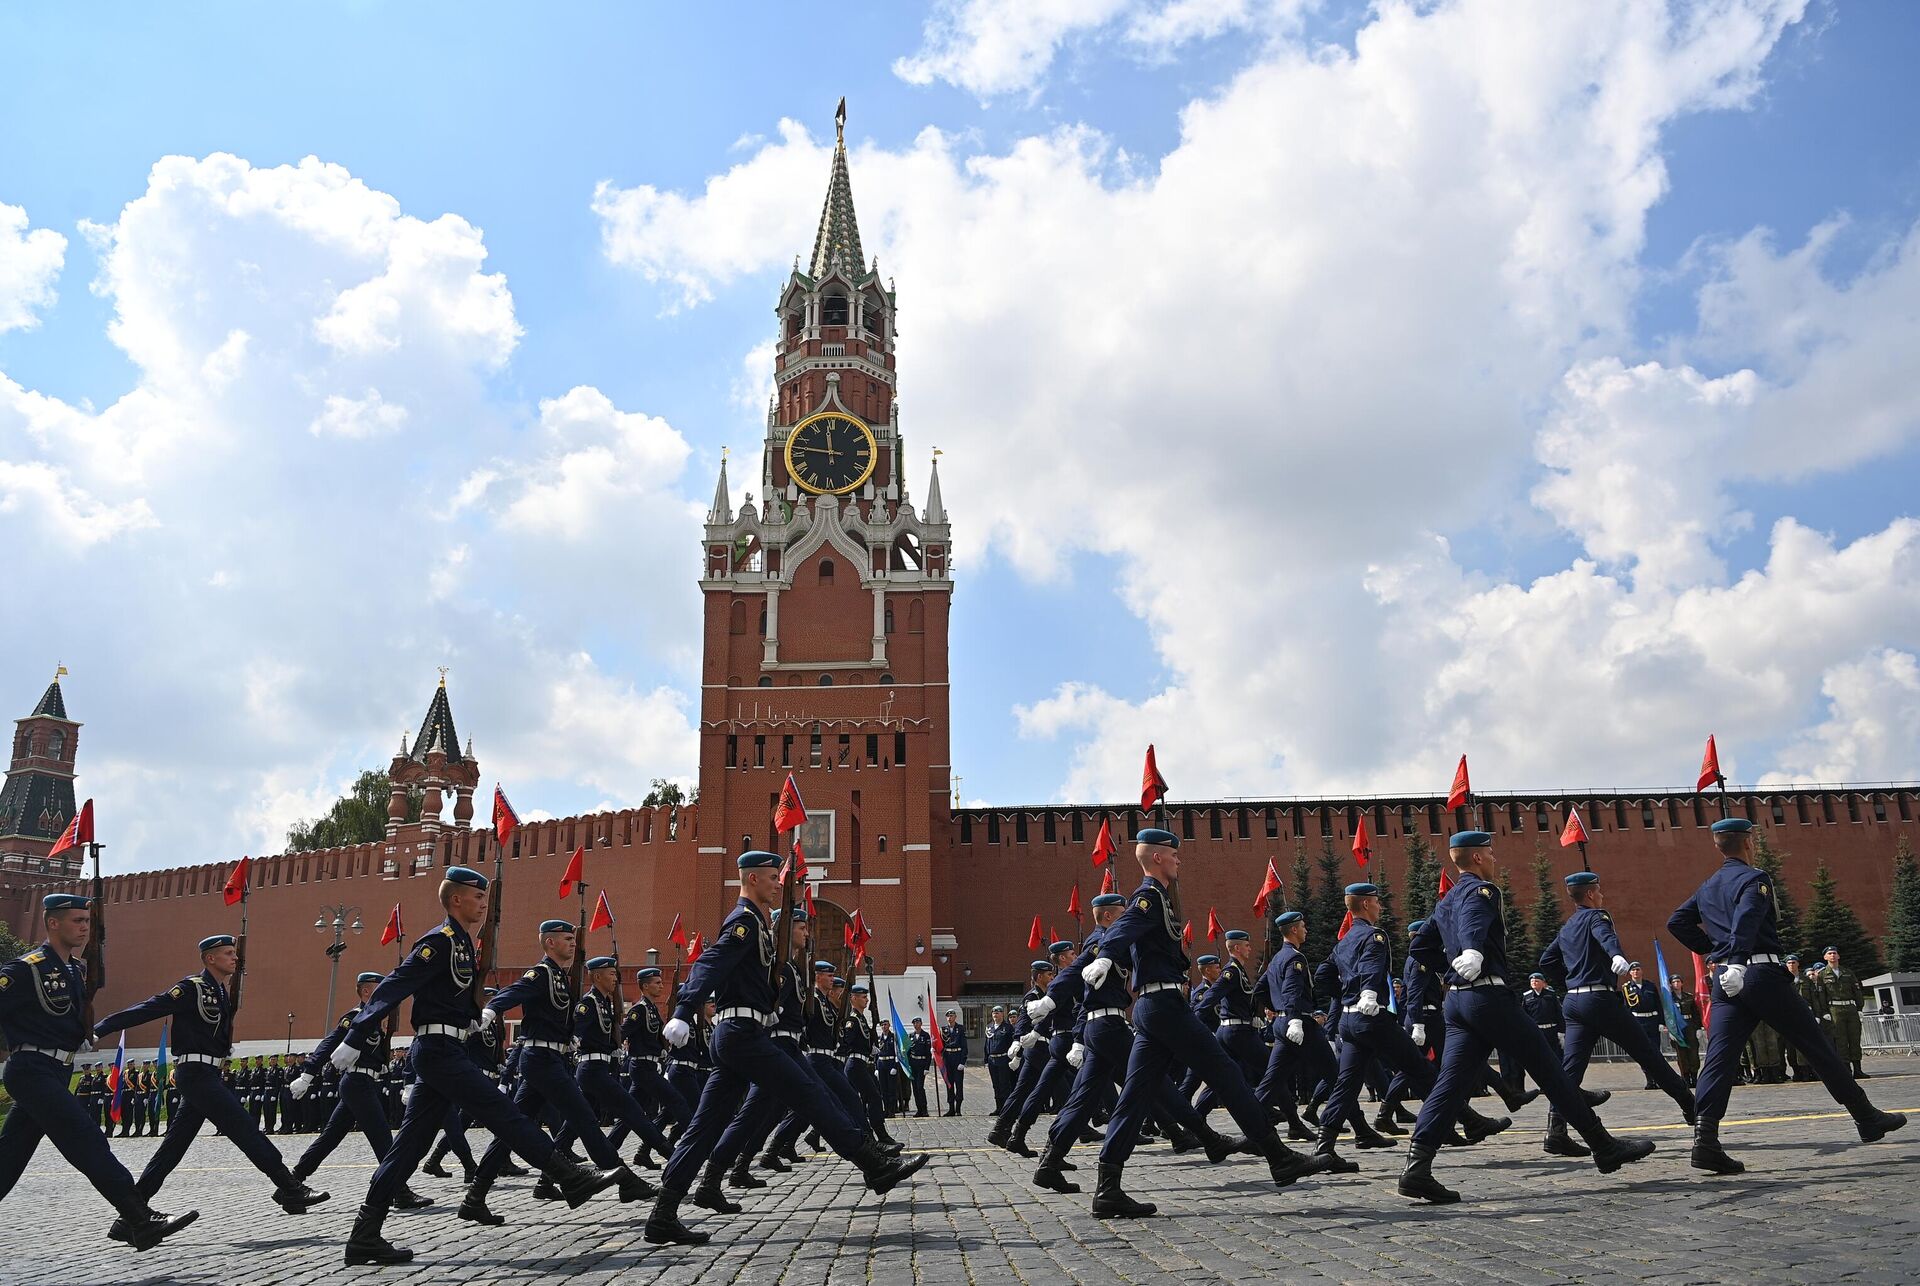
x=889 y=614
x=763 y=621
x=885 y=679
x=916 y=618
x=56 y=742
x=733 y=680
x=826 y=680
x=826 y=571
x=766 y=681
x=880 y=844
x=737 y=618
x=833 y=310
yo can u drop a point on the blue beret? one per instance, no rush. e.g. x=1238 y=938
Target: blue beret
x=1541 y=976
x=1416 y=926
x=1055 y=948
x=647 y=974
x=823 y=966
x=1154 y=835
x=468 y=876
x=1835 y=950
x=859 y=988
x=1469 y=839
x=755 y=858
x=1582 y=880
x=216 y=941
x=556 y=926
x=1108 y=899
x=1043 y=966
x=1288 y=917
x=64 y=901
x=1363 y=890
x=1794 y=956
x=1238 y=935
x=1634 y=965
x=604 y=962
x=492 y=991
x=368 y=977
x=1207 y=960
x=838 y=981
x=1732 y=826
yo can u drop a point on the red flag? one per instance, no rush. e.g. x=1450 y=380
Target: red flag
x=574 y=874
x=857 y=936
x=1575 y=833
x=602 y=914
x=694 y=948
x=1153 y=787
x=1033 y=936
x=795 y=867
x=677 y=935
x=1214 y=931
x=789 y=812
x=505 y=820
x=1362 y=843
x=1458 y=796
x=1702 y=988
x=1446 y=882
x=1346 y=923
x=1268 y=887
x=79 y=831
x=1106 y=880
x=236 y=886
x=806 y=899
x=1103 y=849
x=1073 y=901
x=939 y=1045
x=1710 y=766
x=1186 y=933
x=391 y=934
x=116 y=1077
x=1053 y=935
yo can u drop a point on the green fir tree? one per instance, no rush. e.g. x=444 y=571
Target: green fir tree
x=1546 y=918
x=1903 y=911
x=1522 y=956
x=1329 y=905
x=1423 y=878
x=1786 y=908
x=1831 y=922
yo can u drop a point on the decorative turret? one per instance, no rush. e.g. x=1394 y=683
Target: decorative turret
x=435 y=765
x=37 y=801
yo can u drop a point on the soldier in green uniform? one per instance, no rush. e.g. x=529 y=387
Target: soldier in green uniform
x=1844 y=997
x=1769 y=1056
x=1686 y=1041
x=1806 y=985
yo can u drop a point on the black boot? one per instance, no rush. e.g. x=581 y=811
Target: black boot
x=1336 y=1164
x=743 y=1176
x=1365 y=1137
x=509 y=1167
x=1219 y=1146
x=1403 y=1116
x=633 y=1187
x=435 y=1169
x=1515 y=1099
x=1180 y=1139
x=149 y=1230
x=1110 y=1202
x=711 y=1196
x=473 y=1205
x=578 y=1182
x=1596 y=1097
x=1417 y=1179
x=1002 y=1131
x=1707 y=1153
x=1017 y=1143
x=664 y=1226
x=1051 y=1175
x=1477 y=1127
x=643 y=1159
x=883 y=1172
x=548 y=1190
x=1859 y=1072
x=1383 y=1122
x=1609 y=1153
x=367 y=1246
x=1876 y=1125
x=768 y=1161
x=297 y=1198
x=1559 y=1143
x=410 y=1200
x=1286 y=1165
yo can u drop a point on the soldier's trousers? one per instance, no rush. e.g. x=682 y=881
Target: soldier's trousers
x=688 y=1080
x=205 y=1097
x=858 y=1069
x=1768 y=997
x=1846 y=1031
x=1164 y=1027
x=1688 y=1056
x=453 y=1141
x=1312 y=1060
x=44 y=1107
x=828 y=1069
x=1109 y=1041
x=919 y=1091
x=744 y=1056
x=1055 y=1075
x=1033 y=1062
x=649 y=1086
x=1365 y=1039
x=547 y=1082
x=1593 y=1014
x=1245 y=1047
x=956 y=1084
x=1479 y=1021
x=360 y=1104
x=603 y=1090
x=1002 y=1080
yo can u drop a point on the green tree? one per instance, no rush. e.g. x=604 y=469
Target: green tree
x=11 y=948
x=1389 y=921
x=1544 y=923
x=1522 y=956
x=1903 y=911
x=1299 y=888
x=1423 y=878
x=668 y=794
x=1329 y=904
x=1786 y=908
x=358 y=817
x=1832 y=923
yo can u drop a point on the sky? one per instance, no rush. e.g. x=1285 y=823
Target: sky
x=1324 y=389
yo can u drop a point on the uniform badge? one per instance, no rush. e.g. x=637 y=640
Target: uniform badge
x=1379 y=937
x=1486 y=890
x=739 y=930
x=175 y=993
x=527 y=975
x=426 y=953
x=1145 y=905
x=34 y=957
x=5 y=982
x=1763 y=891
x=1299 y=964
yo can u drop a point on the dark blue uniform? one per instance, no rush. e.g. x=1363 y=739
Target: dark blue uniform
x=360 y=1102
x=1289 y=988
x=820 y=1041
x=953 y=1040
x=1052 y=1074
x=596 y=1032
x=1364 y=961
x=1583 y=952
x=641 y=1030
x=1230 y=999
x=996 y=1042
x=858 y=1040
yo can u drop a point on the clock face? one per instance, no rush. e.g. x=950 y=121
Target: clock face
x=830 y=452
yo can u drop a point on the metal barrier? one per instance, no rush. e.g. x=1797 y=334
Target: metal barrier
x=1890 y=1033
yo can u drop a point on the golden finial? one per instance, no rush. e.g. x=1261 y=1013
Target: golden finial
x=937 y=451
x=723 y=453
x=443 y=676
x=956 y=790
x=840 y=121
x=59 y=673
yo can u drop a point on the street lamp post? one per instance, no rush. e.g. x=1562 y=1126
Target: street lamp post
x=289 y=1031
x=338 y=918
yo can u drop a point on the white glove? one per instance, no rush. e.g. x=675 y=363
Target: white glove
x=1077 y=1055
x=1621 y=966
x=406 y=1095
x=1420 y=1035
x=1038 y=1009
x=1468 y=964
x=1733 y=979
x=87 y=1046
x=489 y=1019
x=1296 y=1030
x=1369 y=1003
x=300 y=1084
x=677 y=1033
x=1096 y=973
x=343 y=1056
x=1031 y=1039
x=1013 y=1059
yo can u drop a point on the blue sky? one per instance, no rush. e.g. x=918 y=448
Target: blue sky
x=1141 y=611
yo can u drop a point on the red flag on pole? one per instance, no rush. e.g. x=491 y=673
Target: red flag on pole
x=806 y=899
x=236 y=885
x=1186 y=933
x=1346 y=924
x=795 y=867
x=789 y=812
x=602 y=914
x=505 y=820
x=1268 y=887
x=391 y=934
x=79 y=831
x=856 y=936
x=1053 y=935
x=1362 y=843
x=1574 y=833
x=1153 y=787
x=1073 y=901
x=574 y=874
x=1033 y=936
x=1702 y=989
x=939 y=1044
x=1214 y=931
x=1106 y=880
x=1710 y=766
x=1103 y=848
x=1446 y=882
x=1462 y=789
x=694 y=948
x=677 y=935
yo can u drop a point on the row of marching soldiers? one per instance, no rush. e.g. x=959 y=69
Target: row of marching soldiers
x=1113 y=1023
x=752 y=1055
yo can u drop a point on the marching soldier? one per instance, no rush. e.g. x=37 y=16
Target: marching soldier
x=1844 y=997
x=483 y=1047
x=1231 y=1000
x=1542 y=1004
x=1301 y=1052
x=1643 y=1002
x=1806 y=985
x=1730 y=921
x=42 y=1008
x=689 y=1066
x=920 y=1062
x=858 y=1039
x=596 y=1032
x=1686 y=1041
x=1049 y=1071
x=953 y=1038
x=996 y=1041
x=201 y=1007
x=640 y=1030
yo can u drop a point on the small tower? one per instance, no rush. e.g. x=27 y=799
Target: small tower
x=435 y=765
x=37 y=801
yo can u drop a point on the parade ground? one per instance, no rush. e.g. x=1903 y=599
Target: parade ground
x=1814 y=1206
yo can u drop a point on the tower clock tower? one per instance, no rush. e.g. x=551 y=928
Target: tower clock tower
x=827 y=594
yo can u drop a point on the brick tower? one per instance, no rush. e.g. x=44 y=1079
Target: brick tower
x=37 y=801
x=827 y=593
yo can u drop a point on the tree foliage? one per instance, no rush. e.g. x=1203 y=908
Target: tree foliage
x=1786 y=908
x=1546 y=918
x=668 y=794
x=1832 y=923
x=1522 y=955
x=11 y=948
x=1423 y=878
x=1903 y=911
x=358 y=817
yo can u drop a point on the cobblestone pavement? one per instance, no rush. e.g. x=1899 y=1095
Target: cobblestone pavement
x=1815 y=1206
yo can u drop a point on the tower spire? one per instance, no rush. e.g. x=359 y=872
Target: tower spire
x=722 y=510
x=837 y=244
x=936 y=511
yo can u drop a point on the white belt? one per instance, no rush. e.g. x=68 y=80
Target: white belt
x=62 y=1056
x=1101 y=1013
x=200 y=1058
x=1355 y=1009
x=859 y=1058
x=1236 y=1022
x=557 y=1046
x=443 y=1029
x=359 y=1071
x=1752 y=960
x=1475 y=986
x=1581 y=991
x=491 y=1073
x=1653 y=1014
x=1848 y=1003
x=681 y=1062
x=1546 y=1026
x=751 y=1015
x=782 y=1034
x=596 y=1058
x=1152 y=987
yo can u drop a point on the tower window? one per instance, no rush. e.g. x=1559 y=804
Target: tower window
x=889 y=616
x=899 y=748
x=826 y=680
x=763 y=622
x=766 y=681
x=737 y=618
x=57 y=742
x=833 y=310
x=916 y=618
x=886 y=679
x=826 y=571
x=873 y=748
